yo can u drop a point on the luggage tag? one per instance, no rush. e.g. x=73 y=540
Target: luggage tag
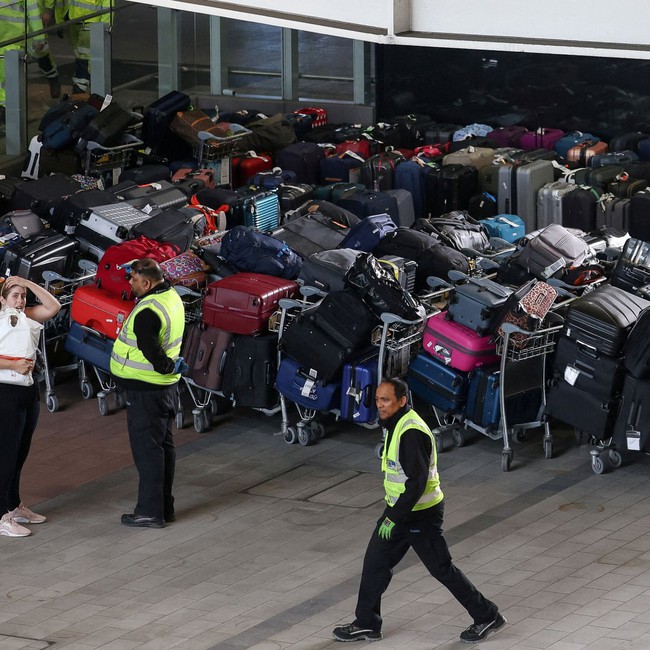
x=571 y=374
x=309 y=389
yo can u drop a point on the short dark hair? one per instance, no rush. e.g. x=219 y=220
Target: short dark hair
x=399 y=386
x=149 y=268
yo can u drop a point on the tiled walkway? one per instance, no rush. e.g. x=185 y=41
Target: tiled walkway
x=266 y=551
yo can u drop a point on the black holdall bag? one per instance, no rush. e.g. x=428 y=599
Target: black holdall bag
x=171 y=226
x=381 y=290
x=327 y=270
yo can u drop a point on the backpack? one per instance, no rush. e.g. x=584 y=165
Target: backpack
x=252 y=251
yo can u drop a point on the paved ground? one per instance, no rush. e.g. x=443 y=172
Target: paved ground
x=266 y=552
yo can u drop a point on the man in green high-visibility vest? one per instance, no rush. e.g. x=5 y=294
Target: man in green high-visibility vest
x=412 y=519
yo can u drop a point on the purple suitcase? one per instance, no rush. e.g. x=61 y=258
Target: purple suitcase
x=541 y=138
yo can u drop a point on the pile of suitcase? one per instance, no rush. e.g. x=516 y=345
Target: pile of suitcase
x=244 y=210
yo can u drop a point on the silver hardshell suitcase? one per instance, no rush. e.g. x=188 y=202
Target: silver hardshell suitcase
x=549 y=202
x=112 y=222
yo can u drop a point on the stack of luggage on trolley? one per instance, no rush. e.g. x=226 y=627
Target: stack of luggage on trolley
x=503 y=271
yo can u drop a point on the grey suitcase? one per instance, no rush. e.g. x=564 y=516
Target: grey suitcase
x=549 y=202
x=405 y=212
x=615 y=213
x=477 y=303
x=109 y=222
x=518 y=187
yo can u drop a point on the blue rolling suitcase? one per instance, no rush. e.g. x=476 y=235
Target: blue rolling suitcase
x=300 y=386
x=358 y=390
x=437 y=384
x=505 y=226
x=368 y=202
x=89 y=346
x=483 y=396
x=260 y=210
x=365 y=235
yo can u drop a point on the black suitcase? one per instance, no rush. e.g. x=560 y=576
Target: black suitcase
x=8 y=187
x=145 y=174
x=581 y=410
x=250 y=370
x=303 y=158
x=636 y=352
x=70 y=211
x=172 y=226
x=640 y=215
x=327 y=270
x=405 y=242
x=161 y=195
x=632 y=270
x=450 y=189
x=293 y=196
x=155 y=125
x=603 y=318
x=579 y=209
x=50 y=251
x=632 y=428
x=41 y=195
x=588 y=369
x=324 y=337
x=614 y=212
x=106 y=127
x=365 y=203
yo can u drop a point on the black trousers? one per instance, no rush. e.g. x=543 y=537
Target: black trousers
x=149 y=417
x=428 y=542
x=19 y=410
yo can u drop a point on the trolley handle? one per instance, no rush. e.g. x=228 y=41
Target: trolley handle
x=390 y=319
x=308 y=291
x=554 y=322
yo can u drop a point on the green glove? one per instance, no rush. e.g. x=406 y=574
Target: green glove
x=386 y=528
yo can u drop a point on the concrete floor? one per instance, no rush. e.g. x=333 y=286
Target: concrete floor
x=266 y=551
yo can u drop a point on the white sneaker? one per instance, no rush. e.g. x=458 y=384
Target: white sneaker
x=23 y=515
x=10 y=528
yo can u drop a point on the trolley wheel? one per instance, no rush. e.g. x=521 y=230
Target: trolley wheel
x=379 y=449
x=200 y=425
x=87 y=390
x=615 y=458
x=597 y=464
x=180 y=419
x=291 y=436
x=548 y=449
x=52 y=403
x=317 y=430
x=458 y=437
x=519 y=435
x=120 y=400
x=102 y=404
x=304 y=435
x=506 y=459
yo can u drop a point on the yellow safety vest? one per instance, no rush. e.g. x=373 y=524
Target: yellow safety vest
x=80 y=8
x=128 y=362
x=394 y=476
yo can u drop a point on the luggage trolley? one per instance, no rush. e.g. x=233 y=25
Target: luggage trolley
x=107 y=163
x=395 y=338
x=522 y=369
x=216 y=152
x=56 y=329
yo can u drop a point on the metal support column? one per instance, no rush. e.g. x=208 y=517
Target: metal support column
x=361 y=72
x=290 y=65
x=218 y=55
x=168 y=49
x=100 y=59
x=15 y=102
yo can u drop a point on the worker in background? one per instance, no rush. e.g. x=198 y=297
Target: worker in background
x=79 y=36
x=412 y=519
x=12 y=25
x=40 y=14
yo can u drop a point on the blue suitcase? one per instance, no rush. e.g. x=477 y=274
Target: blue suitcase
x=505 y=226
x=411 y=175
x=343 y=168
x=296 y=384
x=365 y=203
x=569 y=140
x=358 y=390
x=89 y=346
x=437 y=384
x=483 y=396
x=365 y=235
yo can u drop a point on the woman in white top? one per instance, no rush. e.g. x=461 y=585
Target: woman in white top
x=20 y=328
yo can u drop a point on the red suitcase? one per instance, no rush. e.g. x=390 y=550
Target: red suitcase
x=99 y=310
x=243 y=303
x=457 y=345
x=245 y=166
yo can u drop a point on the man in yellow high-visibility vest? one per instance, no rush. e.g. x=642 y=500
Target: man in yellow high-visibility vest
x=146 y=364
x=412 y=519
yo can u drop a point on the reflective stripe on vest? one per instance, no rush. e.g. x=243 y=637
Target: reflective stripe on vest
x=128 y=362
x=394 y=475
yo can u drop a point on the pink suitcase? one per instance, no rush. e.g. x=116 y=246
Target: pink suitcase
x=243 y=303
x=457 y=345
